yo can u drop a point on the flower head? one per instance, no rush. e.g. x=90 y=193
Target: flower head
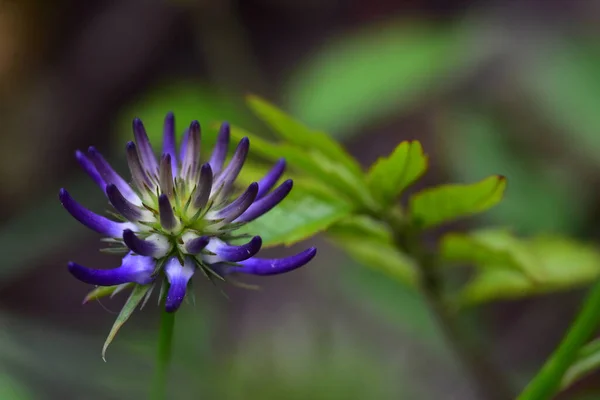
x=177 y=216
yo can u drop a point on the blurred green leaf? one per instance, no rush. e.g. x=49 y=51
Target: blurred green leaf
x=564 y=87
x=313 y=164
x=389 y=176
x=467 y=248
x=588 y=361
x=448 y=202
x=137 y=294
x=559 y=263
x=357 y=225
x=294 y=133
x=188 y=100
x=305 y=212
x=370 y=242
x=490 y=248
x=476 y=143
x=379 y=255
x=12 y=389
x=377 y=71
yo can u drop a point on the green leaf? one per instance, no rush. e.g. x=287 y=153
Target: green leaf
x=312 y=164
x=137 y=294
x=381 y=70
x=389 y=176
x=362 y=225
x=306 y=211
x=12 y=389
x=380 y=256
x=448 y=202
x=491 y=248
x=370 y=243
x=588 y=361
x=558 y=264
x=295 y=133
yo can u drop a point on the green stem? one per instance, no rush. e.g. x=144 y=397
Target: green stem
x=547 y=382
x=163 y=356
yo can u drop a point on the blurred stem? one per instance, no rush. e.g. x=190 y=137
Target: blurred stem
x=490 y=383
x=547 y=382
x=163 y=356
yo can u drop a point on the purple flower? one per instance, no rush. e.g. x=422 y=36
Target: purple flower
x=177 y=216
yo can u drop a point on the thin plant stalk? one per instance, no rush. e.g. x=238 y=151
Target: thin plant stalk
x=548 y=380
x=163 y=356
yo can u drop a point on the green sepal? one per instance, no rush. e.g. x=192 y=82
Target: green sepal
x=103 y=291
x=137 y=294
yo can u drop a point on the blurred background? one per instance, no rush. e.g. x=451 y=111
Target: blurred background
x=488 y=86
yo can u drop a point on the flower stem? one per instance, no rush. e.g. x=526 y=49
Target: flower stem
x=547 y=382
x=163 y=356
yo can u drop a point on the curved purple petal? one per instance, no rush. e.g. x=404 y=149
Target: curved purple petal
x=154 y=246
x=196 y=245
x=92 y=220
x=178 y=276
x=168 y=220
x=134 y=268
x=232 y=253
x=165 y=175
x=110 y=176
x=138 y=173
x=239 y=205
x=147 y=156
x=262 y=266
x=183 y=145
x=91 y=169
x=169 y=146
x=202 y=192
x=190 y=163
x=219 y=153
x=262 y=206
x=122 y=205
x=267 y=183
x=228 y=176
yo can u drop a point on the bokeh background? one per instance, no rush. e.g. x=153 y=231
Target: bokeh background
x=506 y=87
